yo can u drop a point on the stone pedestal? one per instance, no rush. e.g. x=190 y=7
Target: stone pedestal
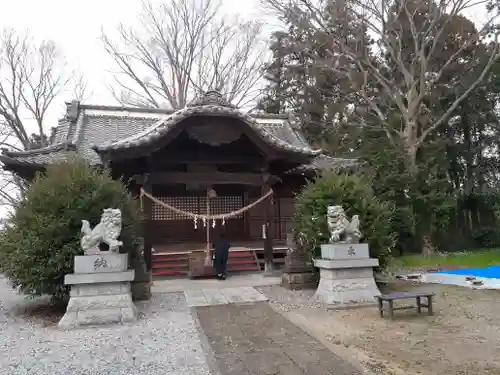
x=141 y=286
x=100 y=291
x=298 y=281
x=346 y=275
x=197 y=266
x=297 y=271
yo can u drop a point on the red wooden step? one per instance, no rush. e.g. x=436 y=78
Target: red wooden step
x=239 y=254
x=178 y=264
x=249 y=267
x=170 y=273
x=169 y=265
x=240 y=261
x=164 y=257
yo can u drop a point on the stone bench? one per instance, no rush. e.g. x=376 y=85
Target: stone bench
x=390 y=298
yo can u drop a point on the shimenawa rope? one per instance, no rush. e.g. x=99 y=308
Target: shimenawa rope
x=201 y=216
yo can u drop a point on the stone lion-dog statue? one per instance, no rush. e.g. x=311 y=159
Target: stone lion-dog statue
x=341 y=229
x=107 y=231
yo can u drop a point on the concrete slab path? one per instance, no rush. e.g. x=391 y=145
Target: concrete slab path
x=256 y=340
x=181 y=285
x=222 y=296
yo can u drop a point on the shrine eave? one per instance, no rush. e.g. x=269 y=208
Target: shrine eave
x=169 y=122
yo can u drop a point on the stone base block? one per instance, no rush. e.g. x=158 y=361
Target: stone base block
x=101 y=262
x=94 y=304
x=336 y=251
x=141 y=290
x=332 y=291
x=98 y=278
x=104 y=289
x=98 y=317
x=141 y=285
x=345 y=263
x=297 y=281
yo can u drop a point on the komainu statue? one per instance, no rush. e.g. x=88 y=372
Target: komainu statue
x=341 y=229
x=107 y=231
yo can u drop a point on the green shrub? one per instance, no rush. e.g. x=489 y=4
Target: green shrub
x=357 y=198
x=43 y=235
x=486 y=237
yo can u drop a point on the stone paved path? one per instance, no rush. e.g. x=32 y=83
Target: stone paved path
x=256 y=340
x=222 y=296
x=234 y=281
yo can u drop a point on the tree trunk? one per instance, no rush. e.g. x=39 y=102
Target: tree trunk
x=422 y=217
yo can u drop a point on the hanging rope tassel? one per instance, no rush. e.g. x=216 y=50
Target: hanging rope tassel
x=141 y=197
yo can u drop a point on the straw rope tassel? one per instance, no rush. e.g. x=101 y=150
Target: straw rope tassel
x=141 y=197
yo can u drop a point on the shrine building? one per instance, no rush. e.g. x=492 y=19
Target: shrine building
x=205 y=168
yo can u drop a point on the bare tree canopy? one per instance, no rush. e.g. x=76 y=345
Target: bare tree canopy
x=30 y=81
x=414 y=49
x=32 y=75
x=182 y=47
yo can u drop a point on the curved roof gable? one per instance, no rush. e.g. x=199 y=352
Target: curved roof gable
x=87 y=127
x=210 y=104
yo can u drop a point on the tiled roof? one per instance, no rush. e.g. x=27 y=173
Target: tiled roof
x=39 y=157
x=278 y=134
x=102 y=128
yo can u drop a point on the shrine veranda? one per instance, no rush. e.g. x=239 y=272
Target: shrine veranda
x=207 y=156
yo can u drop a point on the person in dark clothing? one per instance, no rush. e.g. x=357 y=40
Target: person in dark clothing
x=221 y=247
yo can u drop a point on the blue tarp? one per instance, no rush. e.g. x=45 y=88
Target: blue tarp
x=492 y=272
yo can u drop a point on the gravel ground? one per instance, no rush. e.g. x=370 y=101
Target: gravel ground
x=164 y=341
x=462 y=338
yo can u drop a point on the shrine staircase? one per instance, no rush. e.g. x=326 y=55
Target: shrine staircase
x=176 y=264
x=243 y=261
x=170 y=264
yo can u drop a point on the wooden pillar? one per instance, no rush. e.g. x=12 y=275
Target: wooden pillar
x=246 y=216
x=268 y=227
x=141 y=285
x=146 y=229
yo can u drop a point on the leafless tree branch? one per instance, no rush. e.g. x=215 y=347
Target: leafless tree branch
x=81 y=90
x=409 y=37
x=32 y=75
x=183 y=47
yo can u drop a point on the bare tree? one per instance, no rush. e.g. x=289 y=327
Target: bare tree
x=8 y=182
x=182 y=47
x=32 y=76
x=31 y=80
x=408 y=36
x=81 y=90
